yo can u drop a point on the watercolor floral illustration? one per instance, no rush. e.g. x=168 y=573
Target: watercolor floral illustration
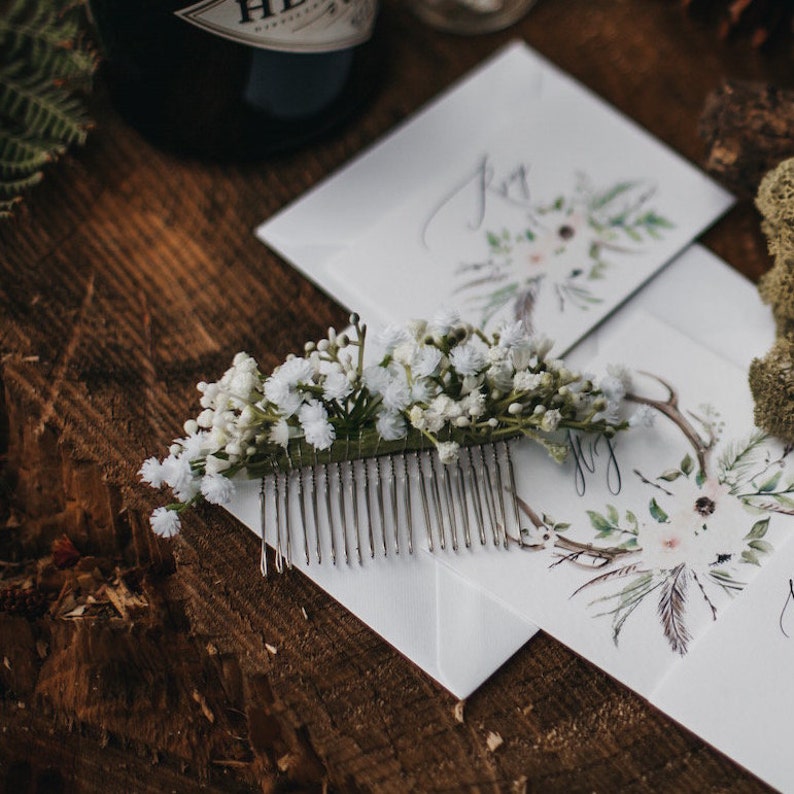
x=703 y=528
x=564 y=247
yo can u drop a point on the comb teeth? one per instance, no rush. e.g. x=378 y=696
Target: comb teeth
x=377 y=507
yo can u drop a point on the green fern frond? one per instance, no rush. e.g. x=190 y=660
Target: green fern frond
x=21 y=155
x=44 y=59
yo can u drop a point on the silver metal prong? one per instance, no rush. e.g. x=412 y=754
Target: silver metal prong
x=381 y=510
x=489 y=499
x=406 y=480
x=315 y=516
x=476 y=501
x=287 y=488
x=368 y=501
x=354 y=464
x=393 y=501
x=425 y=503
x=279 y=550
x=442 y=539
x=500 y=491
x=463 y=500
x=263 y=524
x=302 y=504
x=513 y=495
x=342 y=511
x=329 y=511
x=446 y=478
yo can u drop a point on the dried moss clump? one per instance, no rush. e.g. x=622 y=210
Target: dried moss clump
x=772 y=377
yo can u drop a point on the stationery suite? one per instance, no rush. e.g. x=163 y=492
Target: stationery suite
x=662 y=556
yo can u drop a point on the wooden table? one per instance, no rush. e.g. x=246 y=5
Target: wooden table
x=131 y=276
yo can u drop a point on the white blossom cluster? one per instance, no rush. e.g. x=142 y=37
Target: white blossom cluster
x=441 y=382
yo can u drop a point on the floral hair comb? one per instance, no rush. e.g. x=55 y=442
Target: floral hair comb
x=354 y=450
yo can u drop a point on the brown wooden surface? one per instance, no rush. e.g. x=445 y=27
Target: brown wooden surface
x=131 y=276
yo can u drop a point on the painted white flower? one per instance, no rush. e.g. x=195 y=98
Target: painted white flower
x=702 y=524
x=165 y=522
x=217 y=489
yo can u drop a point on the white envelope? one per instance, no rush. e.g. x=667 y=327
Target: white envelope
x=447 y=625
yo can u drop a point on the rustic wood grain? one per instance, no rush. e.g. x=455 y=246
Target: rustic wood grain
x=132 y=275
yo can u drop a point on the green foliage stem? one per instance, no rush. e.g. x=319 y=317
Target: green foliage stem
x=45 y=61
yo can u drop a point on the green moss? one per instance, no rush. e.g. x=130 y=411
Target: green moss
x=772 y=386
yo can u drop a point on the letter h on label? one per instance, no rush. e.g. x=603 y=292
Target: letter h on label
x=266 y=7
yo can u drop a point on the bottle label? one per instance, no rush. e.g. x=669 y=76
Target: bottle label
x=286 y=25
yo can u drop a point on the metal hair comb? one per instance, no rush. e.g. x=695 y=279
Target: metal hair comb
x=386 y=504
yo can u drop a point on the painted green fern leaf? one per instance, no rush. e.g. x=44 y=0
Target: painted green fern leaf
x=45 y=62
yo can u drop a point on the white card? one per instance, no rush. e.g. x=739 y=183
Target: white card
x=552 y=209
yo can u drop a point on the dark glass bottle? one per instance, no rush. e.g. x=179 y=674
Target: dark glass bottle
x=238 y=79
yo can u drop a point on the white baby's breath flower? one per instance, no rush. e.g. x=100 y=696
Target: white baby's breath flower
x=319 y=434
x=397 y=396
x=551 y=420
x=336 y=386
x=443 y=320
x=541 y=345
x=473 y=404
x=279 y=433
x=164 y=522
x=448 y=451
x=622 y=373
x=644 y=416
x=193 y=445
x=217 y=489
x=422 y=391
x=295 y=371
x=427 y=361
x=151 y=472
x=215 y=465
x=445 y=407
x=376 y=379
x=317 y=430
x=417 y=418
x=525 y=381
x=500 y=376
x=472 y=383
x=405 y=353
x=281 y=393
x=511 y=333
x=390 y=336
x=467 y=359
x=390 y=425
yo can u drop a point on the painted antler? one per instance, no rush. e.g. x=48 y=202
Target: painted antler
x=670 y=409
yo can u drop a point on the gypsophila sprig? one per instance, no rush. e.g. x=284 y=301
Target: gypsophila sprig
x=441 y=384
